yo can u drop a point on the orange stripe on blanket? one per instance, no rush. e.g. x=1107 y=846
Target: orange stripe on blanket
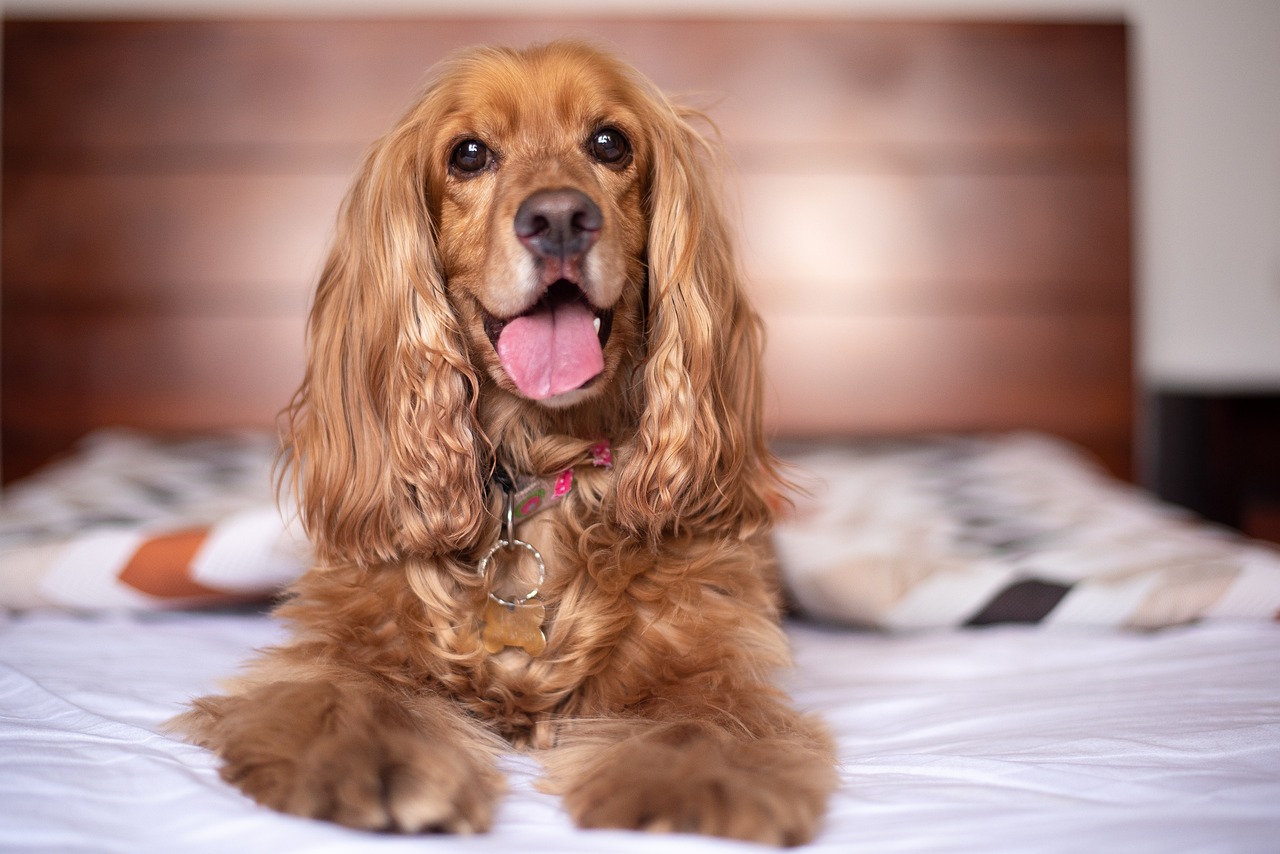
x=161 y=567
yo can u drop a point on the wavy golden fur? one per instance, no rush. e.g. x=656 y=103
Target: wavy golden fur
x=651 y=703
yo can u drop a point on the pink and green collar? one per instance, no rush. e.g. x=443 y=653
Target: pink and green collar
x=531 y=495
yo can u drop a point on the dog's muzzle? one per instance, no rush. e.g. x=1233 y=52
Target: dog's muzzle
x=557 y=344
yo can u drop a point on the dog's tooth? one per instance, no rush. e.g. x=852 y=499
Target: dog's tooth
x=597 y=325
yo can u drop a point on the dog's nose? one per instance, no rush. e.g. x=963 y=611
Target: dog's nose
x=559 y=224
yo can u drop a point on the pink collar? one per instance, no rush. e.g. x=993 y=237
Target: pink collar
x=533 y=494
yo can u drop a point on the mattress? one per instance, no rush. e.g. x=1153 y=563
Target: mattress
x=961 y=726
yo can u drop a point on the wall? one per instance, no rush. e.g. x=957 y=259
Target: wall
x=1209 y=123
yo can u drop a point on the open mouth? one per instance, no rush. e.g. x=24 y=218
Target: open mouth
x=556 y=346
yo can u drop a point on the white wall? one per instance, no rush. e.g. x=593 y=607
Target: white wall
x=1209 y=224
x=1207 y=91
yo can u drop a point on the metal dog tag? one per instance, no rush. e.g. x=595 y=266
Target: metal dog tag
x=513 y=622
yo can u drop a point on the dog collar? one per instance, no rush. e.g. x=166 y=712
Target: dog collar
x=529 y=495
x=517 y=621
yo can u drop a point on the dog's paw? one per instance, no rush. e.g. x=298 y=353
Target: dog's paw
x=321 y=754
x=384 y=781
x=687 y=778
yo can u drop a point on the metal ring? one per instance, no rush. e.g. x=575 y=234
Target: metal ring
x=483 y=569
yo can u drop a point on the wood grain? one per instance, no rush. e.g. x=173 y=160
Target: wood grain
x=187 y=88
x=1045 y=372
x=935 y=216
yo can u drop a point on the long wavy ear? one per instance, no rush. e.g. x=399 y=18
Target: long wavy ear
x=700 y=461
x=381 y=440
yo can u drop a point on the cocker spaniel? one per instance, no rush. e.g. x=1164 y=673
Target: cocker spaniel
x=528 y=452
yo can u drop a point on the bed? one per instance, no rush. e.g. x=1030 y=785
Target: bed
x=1130 y=702
x=1016 y=648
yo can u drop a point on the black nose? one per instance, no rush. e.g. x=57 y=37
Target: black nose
x=558 y=223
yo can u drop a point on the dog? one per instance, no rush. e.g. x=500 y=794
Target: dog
x=528 y=451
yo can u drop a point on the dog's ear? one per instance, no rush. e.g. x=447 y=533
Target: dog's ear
x=700 y=460
x=381 y=443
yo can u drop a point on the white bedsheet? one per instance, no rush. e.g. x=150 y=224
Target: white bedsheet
x=1004 y=739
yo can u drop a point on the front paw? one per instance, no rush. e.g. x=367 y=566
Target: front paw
x=385 y=781
x=319 y=753
x=691 y=778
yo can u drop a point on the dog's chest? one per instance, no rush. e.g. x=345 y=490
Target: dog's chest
x=530 y=669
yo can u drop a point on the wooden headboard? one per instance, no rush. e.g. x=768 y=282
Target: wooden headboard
x=936 y=216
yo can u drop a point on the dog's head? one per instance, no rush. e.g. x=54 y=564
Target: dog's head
x=537 y=241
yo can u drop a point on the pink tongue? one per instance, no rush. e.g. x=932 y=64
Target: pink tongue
x=551 y=351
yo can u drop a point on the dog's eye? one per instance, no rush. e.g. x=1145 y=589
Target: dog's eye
x=611 y=147
x=470 y=156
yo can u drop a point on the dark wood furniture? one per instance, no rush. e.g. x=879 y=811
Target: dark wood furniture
x=936 y=215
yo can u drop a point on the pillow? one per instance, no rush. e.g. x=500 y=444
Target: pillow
x=133 y=522
x=1014 y=528
x=893 y=535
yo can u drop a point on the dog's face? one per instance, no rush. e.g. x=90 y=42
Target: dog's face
x=537 y=186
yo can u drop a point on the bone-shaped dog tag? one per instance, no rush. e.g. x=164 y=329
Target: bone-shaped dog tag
x=511 y=625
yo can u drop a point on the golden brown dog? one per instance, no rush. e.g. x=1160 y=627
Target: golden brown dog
x=532 y=305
